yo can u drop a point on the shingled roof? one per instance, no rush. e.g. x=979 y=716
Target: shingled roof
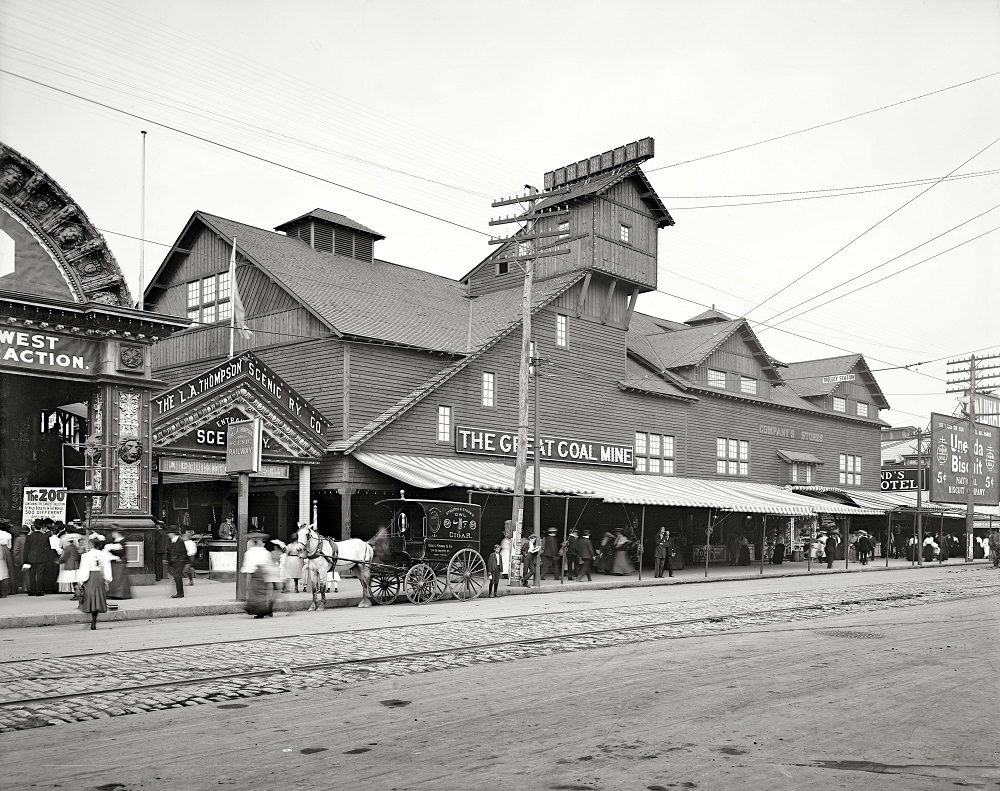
x=806 y=377
x=329 y=216
x=603 y=182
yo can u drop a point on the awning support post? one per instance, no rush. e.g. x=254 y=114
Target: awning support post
x=642 y=538
x=763 y=543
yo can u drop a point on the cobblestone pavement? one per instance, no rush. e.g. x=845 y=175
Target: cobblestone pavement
x=75 y=688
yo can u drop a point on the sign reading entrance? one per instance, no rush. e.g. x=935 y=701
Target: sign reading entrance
x=244 y=442
x=959 y=461
x=499 y=443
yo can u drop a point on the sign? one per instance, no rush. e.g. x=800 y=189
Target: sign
x=41 y=502
x=210 y=437
x=497 y=443
x=829 y=380
x=180 y=464
x=716 y=553
x=903 y=480
x=243 y=446
x=787 y=432
x=245 y=368
x=951 y=472
x=448 y=526
x=987 y=409
x=48 y=353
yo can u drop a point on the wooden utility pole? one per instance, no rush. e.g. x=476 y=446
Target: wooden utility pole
x=526 y=253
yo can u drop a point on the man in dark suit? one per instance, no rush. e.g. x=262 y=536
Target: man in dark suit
x=37 y=555
x=493 y=566
x=585 y=553
x=177 y=559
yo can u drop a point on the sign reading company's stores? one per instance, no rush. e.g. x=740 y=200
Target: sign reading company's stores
x=789 y=432
x=959 y=461
x=500 y=443
x=48 y=353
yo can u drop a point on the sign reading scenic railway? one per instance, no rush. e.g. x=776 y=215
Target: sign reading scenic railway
x=243 y=445
x=499 y=443
x=951 y=470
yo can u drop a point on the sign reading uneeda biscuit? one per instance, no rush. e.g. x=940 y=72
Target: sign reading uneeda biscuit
x=244 y=441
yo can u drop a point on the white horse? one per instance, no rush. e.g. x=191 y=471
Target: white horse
x=322 y=555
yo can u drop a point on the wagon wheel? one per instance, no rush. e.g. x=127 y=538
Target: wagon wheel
x=420 y=584
x=384 y=585
x=466 y=574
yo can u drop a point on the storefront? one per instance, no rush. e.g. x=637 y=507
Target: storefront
x=75 y=365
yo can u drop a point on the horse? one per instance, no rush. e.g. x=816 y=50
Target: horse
x=321 y=555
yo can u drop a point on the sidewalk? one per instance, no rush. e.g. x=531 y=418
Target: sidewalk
x=219 y=598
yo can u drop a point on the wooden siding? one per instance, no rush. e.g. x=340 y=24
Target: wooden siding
x=737 y=359
x=313 y=370
x=595 y=304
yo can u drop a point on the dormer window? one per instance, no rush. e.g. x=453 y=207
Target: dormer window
x=502 y=268
x=862 y=409
x=624 y=233
x=839 y=404
x=748 y=385
x=716 y=378
x=208 y=299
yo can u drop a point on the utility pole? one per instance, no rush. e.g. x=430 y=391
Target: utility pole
x=526 y=252
x=970 y=380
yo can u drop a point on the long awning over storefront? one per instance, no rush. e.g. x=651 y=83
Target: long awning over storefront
x=901 y=502
x=429 y=472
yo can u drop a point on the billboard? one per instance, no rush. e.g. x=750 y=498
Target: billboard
x=960 y=459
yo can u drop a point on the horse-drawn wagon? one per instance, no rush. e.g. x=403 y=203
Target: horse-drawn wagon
x=425 y=548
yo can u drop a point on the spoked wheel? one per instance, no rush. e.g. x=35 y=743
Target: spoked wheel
x=420 y=584
x=384 y=586
x=466 y=574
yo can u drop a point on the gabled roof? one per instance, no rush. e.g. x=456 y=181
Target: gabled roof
x=329 y=216
x=601 y=183
x=710 y=316
x=806 y=377
x=643 y=380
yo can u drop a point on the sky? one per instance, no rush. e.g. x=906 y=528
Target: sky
x=805 y=148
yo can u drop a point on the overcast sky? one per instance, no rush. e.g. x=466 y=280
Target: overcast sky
x=441 y=106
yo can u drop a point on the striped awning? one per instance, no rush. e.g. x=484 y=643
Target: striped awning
x=427 y=472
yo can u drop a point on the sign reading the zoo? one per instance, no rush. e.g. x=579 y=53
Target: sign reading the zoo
x=960 y=461
x=244 y=441
x=499 y=443
x=41 y=502
x=48 y=353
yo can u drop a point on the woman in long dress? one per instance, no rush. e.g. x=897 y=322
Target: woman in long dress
x=293 y=564
x=121 y=586
x=93 y=576
x=621 y=565
x=744 y=551
x=259 y=568
x=69 y=565
x=6 y=563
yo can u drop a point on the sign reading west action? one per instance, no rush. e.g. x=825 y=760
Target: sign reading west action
x=48 y=353
x=243 y=445
x=499 y=443
x=951 y=474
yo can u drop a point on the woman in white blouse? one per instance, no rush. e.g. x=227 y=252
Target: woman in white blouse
x=94 y=576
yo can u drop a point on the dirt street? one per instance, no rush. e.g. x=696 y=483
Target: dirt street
x=905 y=698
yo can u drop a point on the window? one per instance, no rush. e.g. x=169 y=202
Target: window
x=802 y=472
x=862 y=409
x=732 y=456
x=654 y=453
x=563 y=229
x=839 y=404
x=444 y=424
x=489 y=395
x=524 y=248
x=208 y=299
x=502 y=267
x=716 y=378
x=624 y=233
x=850 y=470
x=748 y=385
x=562 y=330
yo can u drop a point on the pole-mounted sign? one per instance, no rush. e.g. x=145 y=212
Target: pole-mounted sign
x=244 y=443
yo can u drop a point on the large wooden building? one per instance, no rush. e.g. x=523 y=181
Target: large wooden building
x=405 y=379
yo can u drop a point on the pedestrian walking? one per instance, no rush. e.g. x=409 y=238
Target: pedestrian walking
x=192 y=550
x=778 y=551
x=258 y=564
x=994 y=544
x=121 y=586
x=744 y=552
x=160 y=541
x=529 y=551
x=568 y=552
x=94 y=575
x=6 y=560
x=293 y=564
x=585 y=552
x=69 y=566
x=830 y=550
x=177 y=558
x=494 y=564
x=550 y=555
x=864 y=547
x=37 y=553
x=621 y=565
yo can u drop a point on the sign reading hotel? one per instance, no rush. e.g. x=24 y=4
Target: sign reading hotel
x=902 y=480
x=498 y=443
x=48 y=353
x=243 y=445
x=960 y=461
x=246 y=366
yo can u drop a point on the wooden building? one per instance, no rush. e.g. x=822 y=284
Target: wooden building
x=416 y=375
x=75 y=365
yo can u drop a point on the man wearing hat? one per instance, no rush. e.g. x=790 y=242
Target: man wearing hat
x=37 y=556
x=177 y=558
x=585 y=553
x=550 y=555
x=493 y=566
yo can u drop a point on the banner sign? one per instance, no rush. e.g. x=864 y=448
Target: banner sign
x=498 y=443
x=180 y=464
x=243 y=445
x=42 y=502
x=903 y=480
x=48 y=353
x=245 y=368
x=951 y=471
x=987 y=409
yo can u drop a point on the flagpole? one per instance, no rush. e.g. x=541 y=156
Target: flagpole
x=232 y=301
